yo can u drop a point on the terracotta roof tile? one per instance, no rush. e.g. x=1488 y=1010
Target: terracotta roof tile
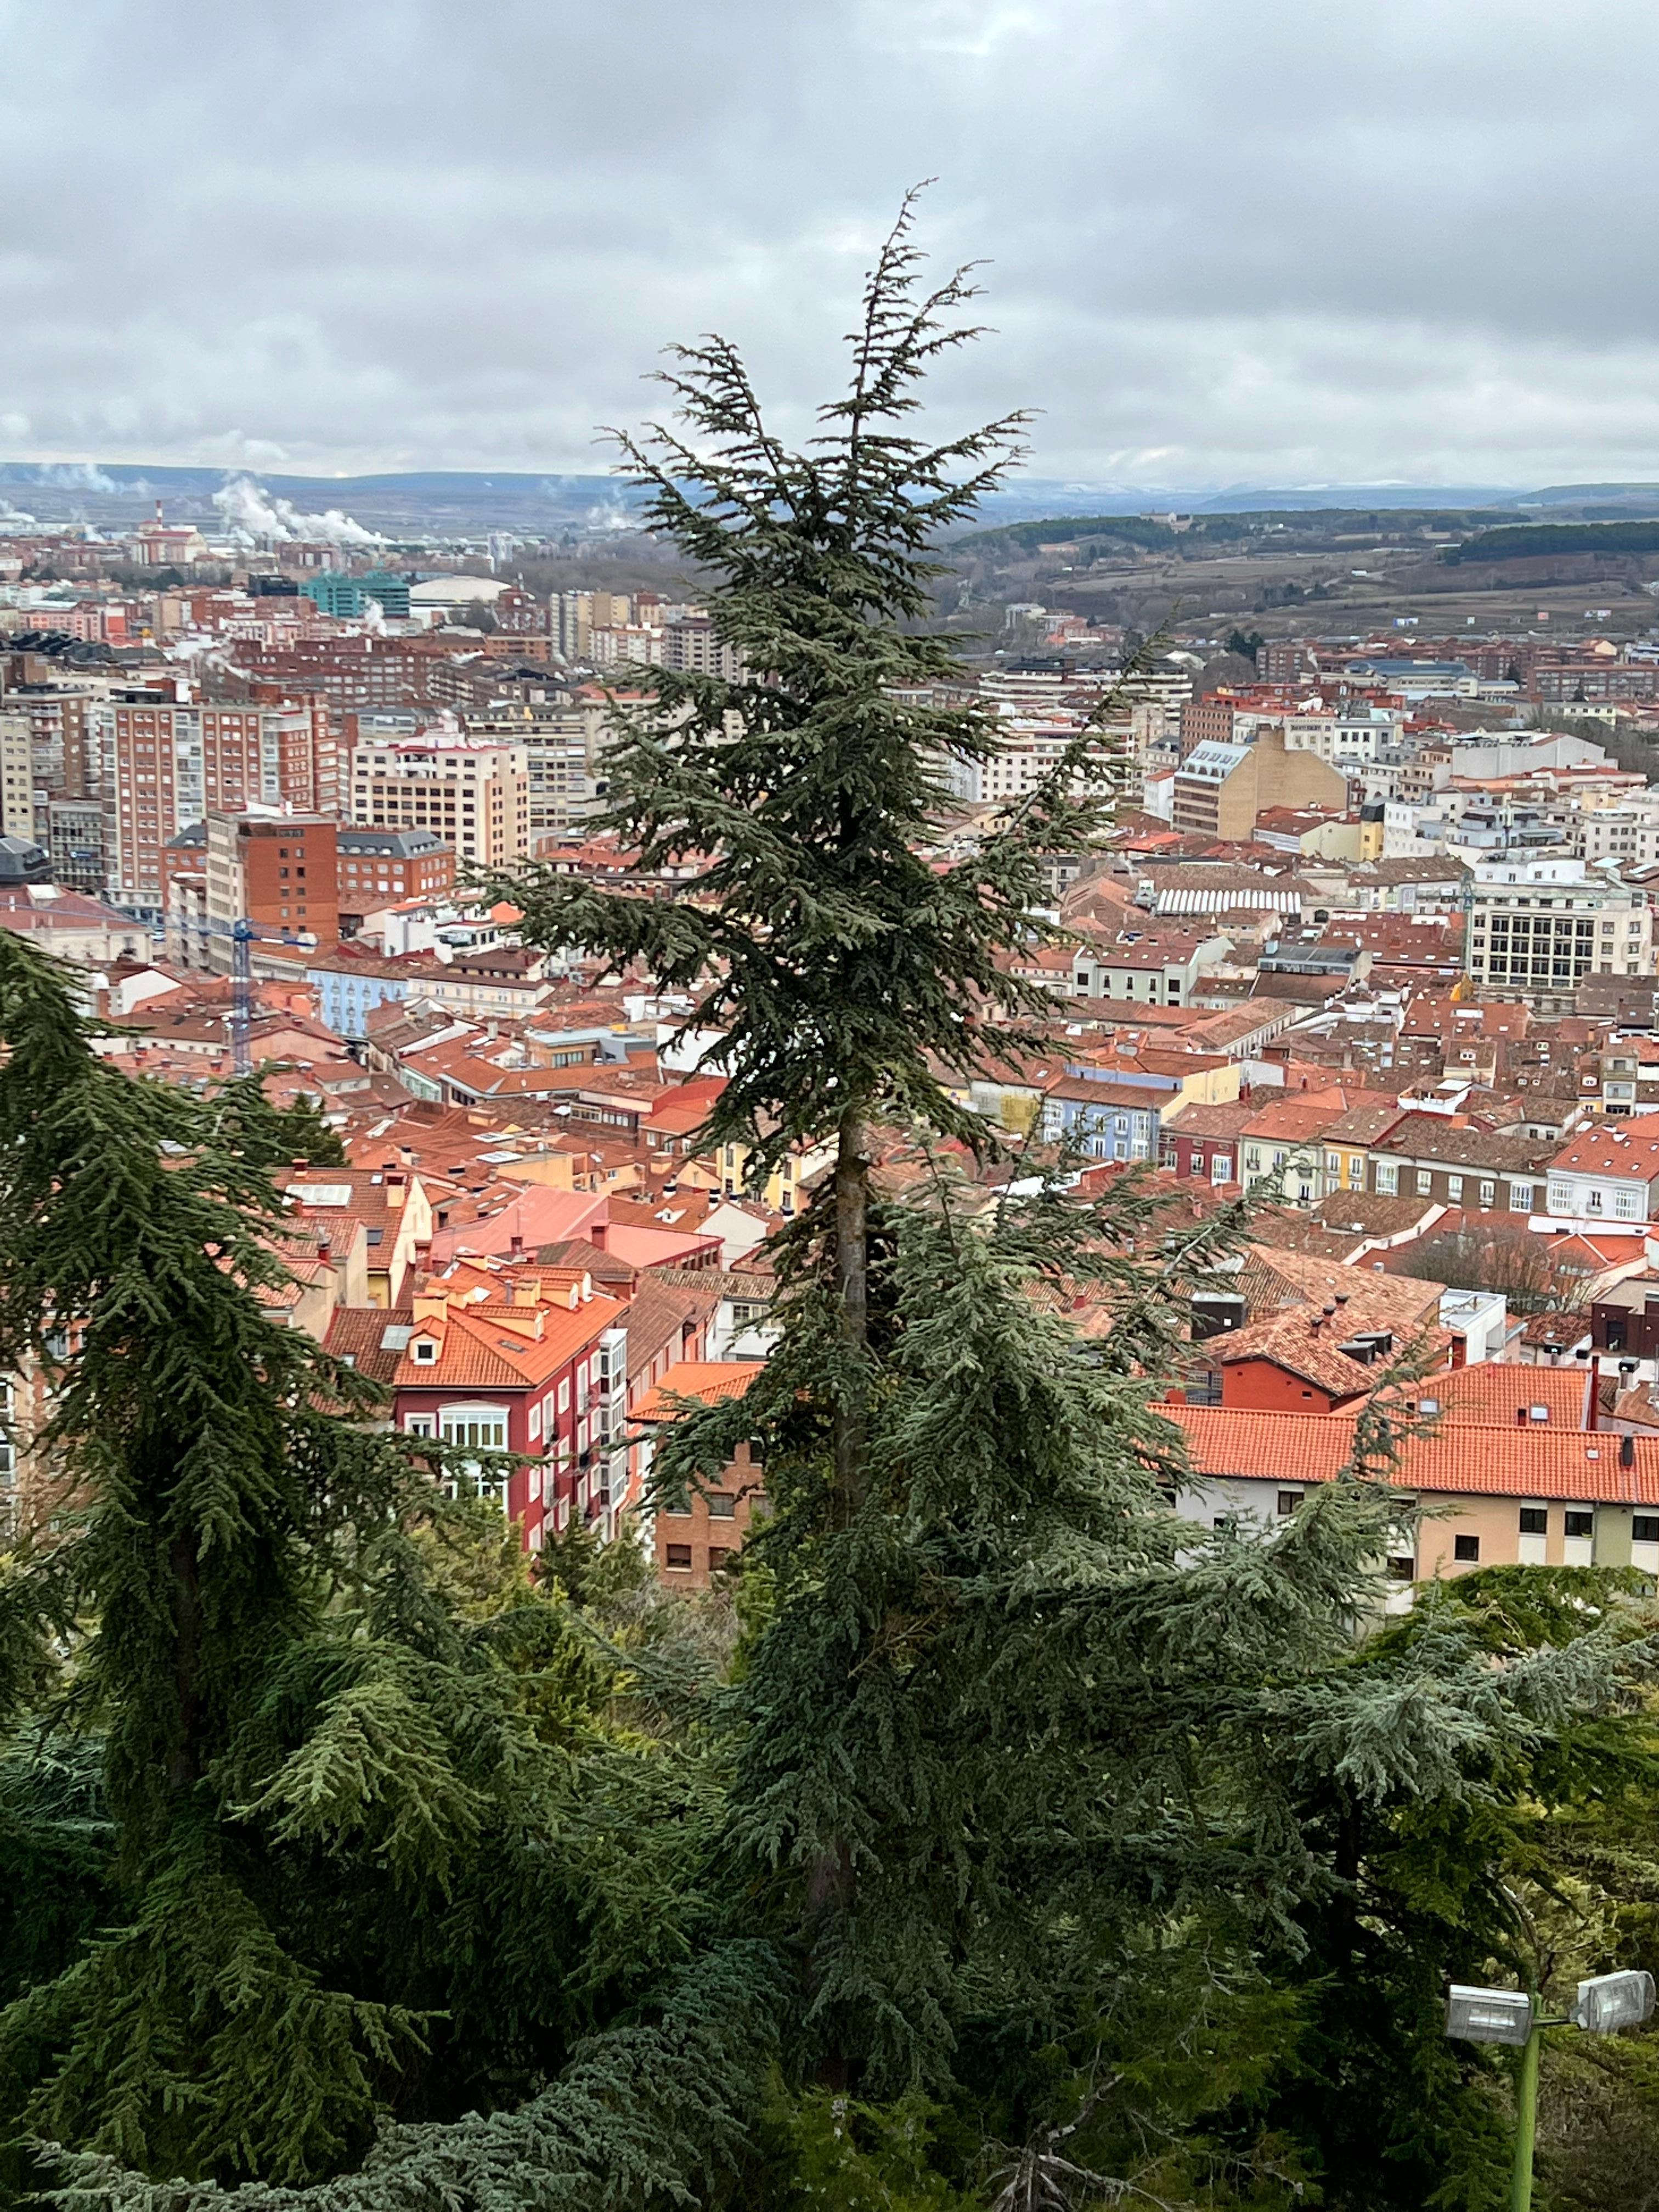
x=705 y=1380
x=1461 y=1459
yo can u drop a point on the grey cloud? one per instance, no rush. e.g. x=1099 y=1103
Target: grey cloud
x=1286 y=242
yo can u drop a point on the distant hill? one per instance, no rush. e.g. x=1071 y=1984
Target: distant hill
x=469 y=501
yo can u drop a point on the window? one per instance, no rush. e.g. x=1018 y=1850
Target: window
x=1333 y=1163
x=1465 y=1548
x=1519 y=1198
x=423 y=1349
x=1221 y=1167
x=718 y=1556
x=1488 y=1194
x=418 y=1424
x=481 y=1428
x=1644 y=1528
x=1402 y=1570
x=1288 y=1500
x=1387 y=1179
x=1535 y=1521
x=1578 y=1524
x=677 y=1555
x=1424 y=1182
x=1252 y=1159
x=722 y=1506
x=1455 y=1189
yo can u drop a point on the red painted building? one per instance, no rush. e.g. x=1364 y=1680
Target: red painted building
x=1203 y=1142
x=1311 y=1359
x=530 y=1361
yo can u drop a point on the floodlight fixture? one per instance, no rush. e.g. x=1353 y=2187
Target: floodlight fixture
x=1608 y=2002
x=1478 y=2015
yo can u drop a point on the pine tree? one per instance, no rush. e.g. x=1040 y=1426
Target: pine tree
x=1007 y=1727
x=850 y=974
x=302 y=1827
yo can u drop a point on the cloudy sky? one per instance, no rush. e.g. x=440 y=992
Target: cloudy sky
x=1282 y=243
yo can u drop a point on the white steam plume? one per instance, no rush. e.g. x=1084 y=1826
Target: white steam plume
x=74 y=476
x=13 y=518
x=255 y=516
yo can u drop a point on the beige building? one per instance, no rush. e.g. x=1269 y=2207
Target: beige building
x=473 y=792
x=16 y=774
x=1219 y=789
x=1544 y=926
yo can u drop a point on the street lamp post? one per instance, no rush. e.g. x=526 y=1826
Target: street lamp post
x=1604 y=2004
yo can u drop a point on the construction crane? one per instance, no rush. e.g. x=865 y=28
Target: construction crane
x=242 y=995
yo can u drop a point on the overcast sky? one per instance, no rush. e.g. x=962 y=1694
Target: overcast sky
x=1279 y=243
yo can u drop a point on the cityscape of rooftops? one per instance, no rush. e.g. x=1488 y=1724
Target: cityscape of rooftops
x=828 y=1106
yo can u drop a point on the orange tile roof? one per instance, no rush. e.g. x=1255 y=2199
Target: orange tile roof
x=1271 y=1278
x=1463 y=1460
x=477 y=1348
x=1611 y=1152
x=1493 y=1392
x=1301 y=1342
x=706 y=1380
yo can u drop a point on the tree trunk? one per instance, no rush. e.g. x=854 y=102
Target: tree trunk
x=185 y=1758
x=852 y=1281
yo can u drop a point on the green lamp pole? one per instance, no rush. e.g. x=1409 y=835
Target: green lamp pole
x=1606 y=2003
x=1526 y=2113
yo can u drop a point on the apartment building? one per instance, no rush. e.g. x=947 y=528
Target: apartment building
x=1628 y=834
x=472 y=793
x=165 y=764
x=1220 y=789
x=1606 y=1174
x=1433 y=1157
x=1524 y=1490
x=17 y=810
x=383 y=867
x=1543 y=926
x=563 y=742
x=276 y=872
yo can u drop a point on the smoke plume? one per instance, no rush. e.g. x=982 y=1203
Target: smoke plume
x=253 y=516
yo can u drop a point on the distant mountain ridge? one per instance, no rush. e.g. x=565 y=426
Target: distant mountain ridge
x=468 y=501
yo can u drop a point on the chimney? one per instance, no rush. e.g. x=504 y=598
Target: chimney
x=324 y=1249
x=515 y=1246
x=1626 y=1451
x=596 y=1235
x=424 y=1253
x=300 y=1166
x=431 y=1304
x=1592 y=1391
x=397 y=1190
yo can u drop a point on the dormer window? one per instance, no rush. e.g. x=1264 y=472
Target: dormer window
x=423 y=1349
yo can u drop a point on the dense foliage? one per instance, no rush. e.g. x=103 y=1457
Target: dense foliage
x=994 y=1833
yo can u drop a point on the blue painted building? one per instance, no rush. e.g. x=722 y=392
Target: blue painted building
x=1104 y=1120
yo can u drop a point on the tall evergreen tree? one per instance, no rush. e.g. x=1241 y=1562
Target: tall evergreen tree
x=297 y=1828
x=851 y=975
x=1009 y=1725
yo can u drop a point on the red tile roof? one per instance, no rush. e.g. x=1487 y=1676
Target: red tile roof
x=478 y=1347
x=1611 y=1152
x=1461 y=1459
x=705 y=1380
x=1493 y=1392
